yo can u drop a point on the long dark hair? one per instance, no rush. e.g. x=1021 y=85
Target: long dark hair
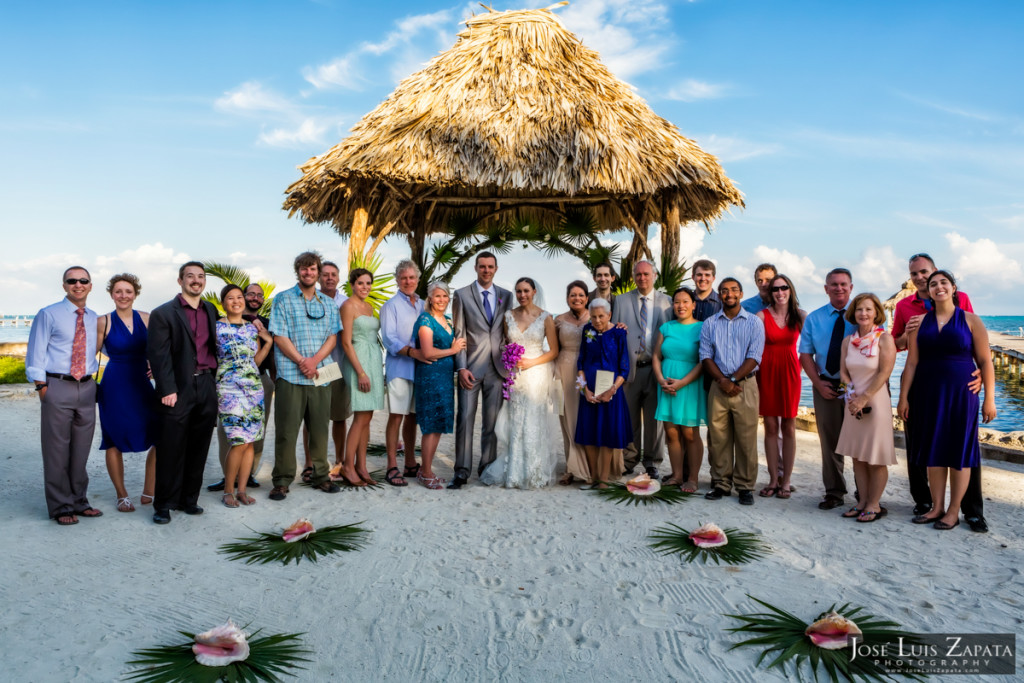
x=793 y=319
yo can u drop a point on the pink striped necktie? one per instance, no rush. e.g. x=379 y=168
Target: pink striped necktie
x=78 y=347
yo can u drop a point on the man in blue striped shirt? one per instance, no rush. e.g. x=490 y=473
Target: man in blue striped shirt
x=731 y=344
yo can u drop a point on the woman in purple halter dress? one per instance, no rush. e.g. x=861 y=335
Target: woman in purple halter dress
x=940 y=411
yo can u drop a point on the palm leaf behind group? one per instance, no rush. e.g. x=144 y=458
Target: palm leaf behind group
x=782 y=635
x=270 y=657
x=743 y=546
x=265 y=548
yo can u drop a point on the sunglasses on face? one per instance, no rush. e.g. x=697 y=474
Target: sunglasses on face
x=77 y=280
x=781 y=288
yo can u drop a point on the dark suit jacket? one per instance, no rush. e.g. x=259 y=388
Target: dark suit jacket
x=171 y=350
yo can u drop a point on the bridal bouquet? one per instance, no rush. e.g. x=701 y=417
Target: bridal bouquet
x=510 y=359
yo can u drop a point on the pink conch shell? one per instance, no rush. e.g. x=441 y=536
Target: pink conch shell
x=709 y=536
x=335 y=473
x=643 y=485
x=298 y=531
x=832 y=631
x=221 y=646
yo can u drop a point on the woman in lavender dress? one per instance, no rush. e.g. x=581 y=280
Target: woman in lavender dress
x=239 y=390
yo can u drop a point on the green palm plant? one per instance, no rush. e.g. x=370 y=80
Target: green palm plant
x=233 y=275
x=383 y=283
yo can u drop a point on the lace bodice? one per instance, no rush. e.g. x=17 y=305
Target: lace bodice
x=532 y=338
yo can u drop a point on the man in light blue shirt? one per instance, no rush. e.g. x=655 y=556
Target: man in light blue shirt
x=820 y=350
x=305 y=324
x=61 y=360
x=731 y=345
x=397 y=318
x=763 y=276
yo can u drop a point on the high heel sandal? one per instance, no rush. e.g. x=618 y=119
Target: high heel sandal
x=145 y=499
x=125 y=505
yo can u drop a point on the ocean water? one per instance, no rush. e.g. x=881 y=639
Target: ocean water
x=1009 y=389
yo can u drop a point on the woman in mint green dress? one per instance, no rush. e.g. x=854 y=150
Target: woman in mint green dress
x=682 y=403
x=364 y=373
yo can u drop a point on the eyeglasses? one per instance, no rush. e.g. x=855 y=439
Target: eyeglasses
x=921 y=255
x=323 y=309
x=781 y=288
x=77 y=280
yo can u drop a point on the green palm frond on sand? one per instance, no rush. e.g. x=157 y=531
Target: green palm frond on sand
x=270 y=657
x=742 y=547
x=379 y=450
x=265 y=548
x=618 y=493
x=781 y=635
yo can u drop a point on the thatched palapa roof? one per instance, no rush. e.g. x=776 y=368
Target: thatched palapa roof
x=518 y=116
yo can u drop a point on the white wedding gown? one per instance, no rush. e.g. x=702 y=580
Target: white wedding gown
x=527 y=425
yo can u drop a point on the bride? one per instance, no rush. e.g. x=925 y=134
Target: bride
x=525 y=457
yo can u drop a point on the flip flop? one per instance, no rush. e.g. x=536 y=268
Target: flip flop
x=66 y=520
x=89 y=512
x=854 y=512
x=784 y=494
x=768 y=491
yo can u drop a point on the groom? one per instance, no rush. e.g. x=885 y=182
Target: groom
x=477 y=314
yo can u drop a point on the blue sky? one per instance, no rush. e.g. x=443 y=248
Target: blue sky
x=137 y=135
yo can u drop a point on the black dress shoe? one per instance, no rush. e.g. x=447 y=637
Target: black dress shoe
x=458 y=483
x=652 y=472
x=161 y=516
x=977 y=524
x=253 y=484
x=192 y=510
x=830 y=503
x=218 y=486
x=746 y=498
x=922 y=509
x=715 y=494
x=629 y=471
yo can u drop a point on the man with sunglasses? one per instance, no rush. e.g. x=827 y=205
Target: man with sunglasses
x=182 y=353
x=61 y=360
x=304 y=322
x=906 y=319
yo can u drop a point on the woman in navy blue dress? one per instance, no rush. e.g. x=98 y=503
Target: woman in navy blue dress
x=126 y=398
x=940 y=411
x=603 y=427
x=434 y=383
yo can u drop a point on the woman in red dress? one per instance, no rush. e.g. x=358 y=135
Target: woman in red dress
x=778 y=381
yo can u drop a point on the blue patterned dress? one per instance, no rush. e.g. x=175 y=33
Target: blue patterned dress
x=239 y=388
x=435 y=382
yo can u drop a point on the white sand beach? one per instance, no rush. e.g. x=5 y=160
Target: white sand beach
x=479 y=584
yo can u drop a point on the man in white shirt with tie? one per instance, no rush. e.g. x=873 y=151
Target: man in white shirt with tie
x=61 y=360
x=643 y=311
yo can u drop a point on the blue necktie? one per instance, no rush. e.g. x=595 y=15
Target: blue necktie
x=487 y=307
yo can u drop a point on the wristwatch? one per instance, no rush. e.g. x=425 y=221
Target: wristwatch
x=40 y=387
x=732 y=378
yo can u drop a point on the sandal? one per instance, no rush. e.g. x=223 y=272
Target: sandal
x=566 y=480
x=768 y=491
x=307 y=475
x=688 y=487
x=66 y=519
x=869 y=516
x=430 y=482
x=145 y=499
x=229 y=500
x=89 y=512
x=125 y=505
x=394 y=478
x=244 y=498
x=784 y=493
x=411 y=472
x=853 y=512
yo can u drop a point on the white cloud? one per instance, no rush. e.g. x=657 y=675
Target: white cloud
x=735 y=149
x=800 y=269
x=343 y=72
x=881 y=271
x=692 y=90
x=630 y=36
x=955 y=110
x=982 y=263
x=251 y=96
x=410 y=27
x=308 y=132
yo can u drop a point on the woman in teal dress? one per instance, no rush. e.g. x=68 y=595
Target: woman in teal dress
x=363 y=369
x=239 y=391
x=435 y=381
x=682 y=403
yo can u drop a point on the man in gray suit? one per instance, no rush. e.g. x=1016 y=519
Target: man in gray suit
x=477 y=314
x=643 y=311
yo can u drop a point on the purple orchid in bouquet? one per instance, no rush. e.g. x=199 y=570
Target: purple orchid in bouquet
x=510 y=357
